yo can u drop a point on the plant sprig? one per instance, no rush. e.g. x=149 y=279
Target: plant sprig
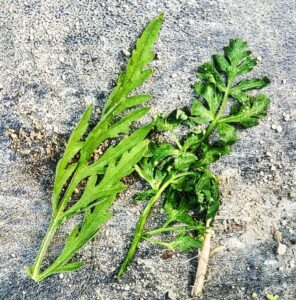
x=103 y=176
x=180 y=171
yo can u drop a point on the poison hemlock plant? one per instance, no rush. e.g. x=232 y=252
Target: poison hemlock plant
x=180 y=171
x=103 y=176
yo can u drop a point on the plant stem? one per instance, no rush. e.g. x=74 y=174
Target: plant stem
x=140 y=227
x=56 y=221
x=141 y=223
x=42 y=250
x=167 y=229
x=176 y=140
x=197 y=290
x=157 y=242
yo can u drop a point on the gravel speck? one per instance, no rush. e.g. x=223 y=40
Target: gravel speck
x=282 y=248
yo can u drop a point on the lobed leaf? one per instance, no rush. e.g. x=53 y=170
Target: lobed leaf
x=63 y=171
x=250 y=114
x=200 y=113
x=227 y=133
x=185 y=242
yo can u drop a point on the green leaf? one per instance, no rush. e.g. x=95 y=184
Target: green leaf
x=200 y=113
x=181 y=115
x=28 y=271
x=213 y=201
x=177 y=207
x=221 y=63
x=212 y=153
x=115 y=152
x=251 y=84
x=70 y=267
x=227 y=133
x=238 y=91
x=236 y=51
x=99 y=182
x=207 y=191
x=192 y=139
x=120 y=100
x=186 y=243
x=145 y=195
x=190 y=190
x=251 y=113
x=163 y=150
x=63 y=171
x=135 y=73
x=146 y=170
x=123 y=125
x=208 y=92
x=184 y=160
x=239 y=57
x=81 y=235
x=208 y=73
x=152 y=175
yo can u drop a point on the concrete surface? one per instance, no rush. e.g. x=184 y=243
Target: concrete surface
x=58 y=56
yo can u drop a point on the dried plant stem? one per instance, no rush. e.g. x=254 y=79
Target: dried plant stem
x=197 y=290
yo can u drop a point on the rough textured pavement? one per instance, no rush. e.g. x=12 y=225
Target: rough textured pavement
x=58 y=56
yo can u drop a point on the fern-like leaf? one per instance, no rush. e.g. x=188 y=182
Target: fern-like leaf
x=102 y=177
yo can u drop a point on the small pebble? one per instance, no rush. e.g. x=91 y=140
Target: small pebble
x=61 y=276
x=278 y=235
x=254 y=296
x=39 y=136
x=279 y=128
x=94 y=58
x=268 y=154
x=171 y=295
x=273 y=126
x=273 y=168
x=126 y=53
x=284 y=81
x=282 y=248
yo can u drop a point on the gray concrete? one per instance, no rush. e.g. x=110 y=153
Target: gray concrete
x=57 y=56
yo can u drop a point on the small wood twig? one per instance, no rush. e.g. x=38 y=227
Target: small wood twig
x=197 y=290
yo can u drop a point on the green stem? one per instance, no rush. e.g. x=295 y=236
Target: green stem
x=140 y=227
x=176 y=140
x=166 y=229
x=141 y=223
x=42 y=250
x=167 y=223
x=56 y=221
x=157 y=242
